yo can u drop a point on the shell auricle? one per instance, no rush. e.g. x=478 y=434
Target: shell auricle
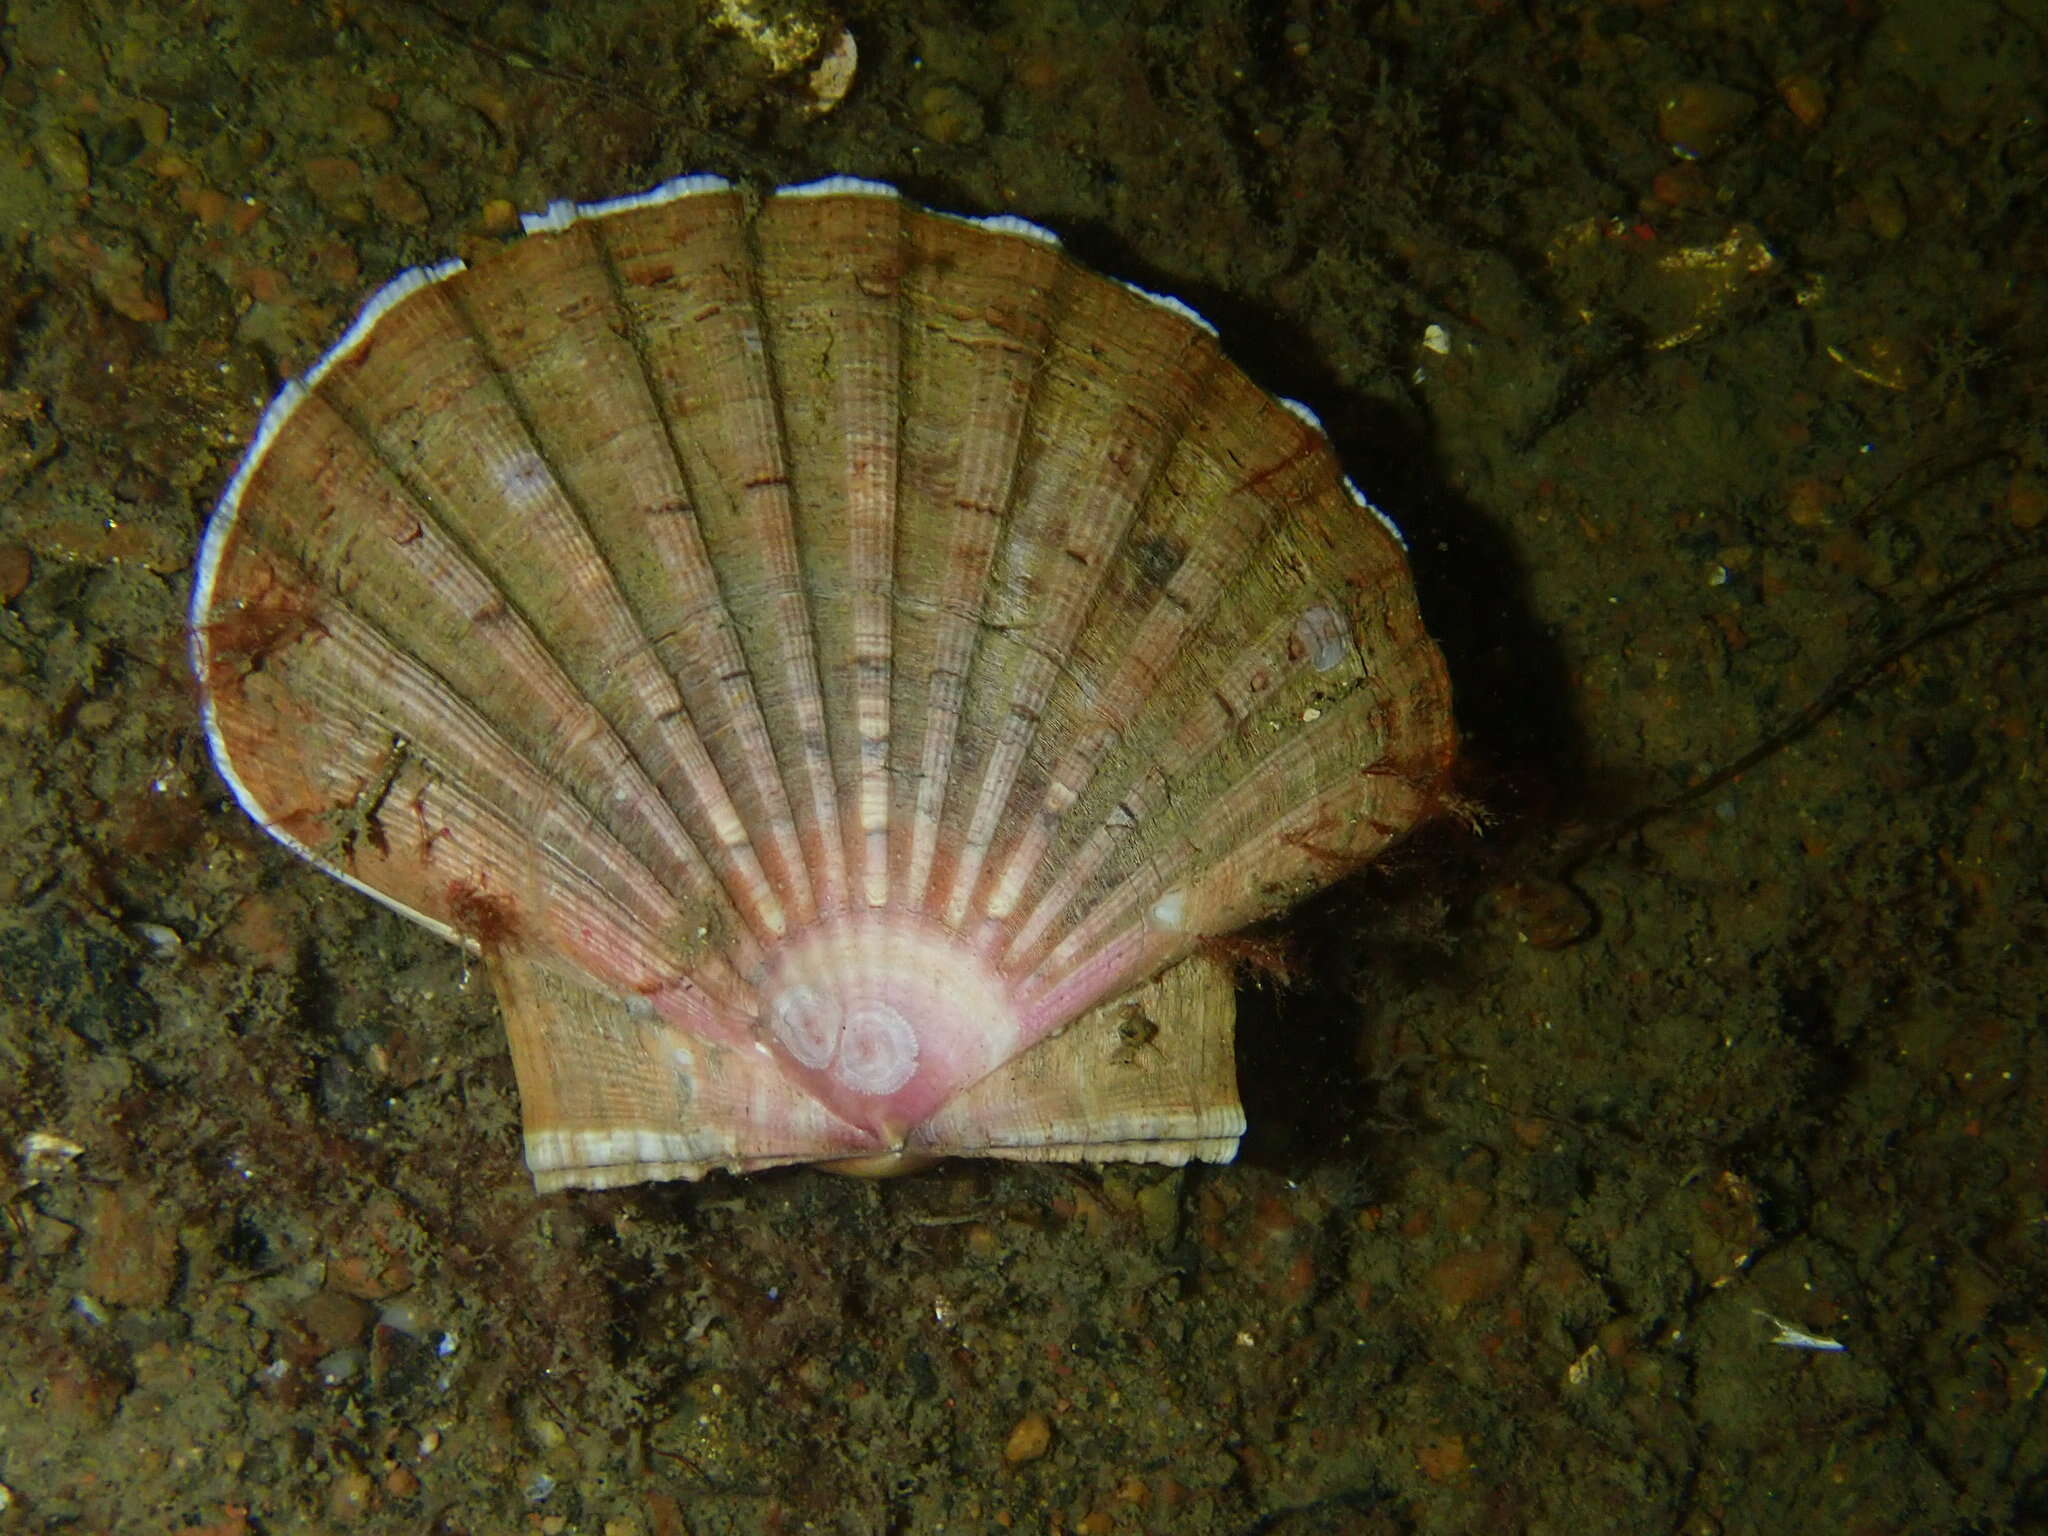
x=836 y=662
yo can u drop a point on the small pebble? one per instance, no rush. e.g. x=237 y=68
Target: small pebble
x=65 y=159
x=96 y=716
x=152 y=121
x=366 y=125
x=404 y=1317
x=16 y=564
x=343 y=1365
x=399 y=200
x=1681 y=186
x=2026 y=502
x=498 y=217
x=350 y=1496
x=132 y=1255
x=45 y=1154
x=1805 y=98
x=331 y=177
x=209 y=205
x=1031 y=1439
x=333 y=1320
x=949 y=114
x=832 y=77
x=1807 y=501
x=162 y=939
x=1546 y=914
x=1699 y=119
x=336 y=261
x=1444 y=1459
x=1884 y=208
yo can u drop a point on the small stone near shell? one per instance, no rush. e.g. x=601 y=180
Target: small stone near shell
x=333 y=1319
x=400 y=201
x=1697 y=119
x=132 y=1254
x=785 y=33
x=1030 y=1439
x=350 y=1496
x=164 y=941
x=367 y=125
x=949 y=114
x=2026 y=501
x=21 y=710
x=498 y=217
x=64 y=157
x=1545 y=914
x=43 y=1153
x=1806 y=98
x=332 y=179
x=338 y=1366
x=832 y=76
x=16 y=565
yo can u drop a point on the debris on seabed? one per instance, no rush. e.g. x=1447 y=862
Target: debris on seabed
x=1799 y=1338
x=43 y=1153
x=1581 y=1370
x=790 y=34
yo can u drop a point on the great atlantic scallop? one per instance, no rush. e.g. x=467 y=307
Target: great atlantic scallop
x=836 y=662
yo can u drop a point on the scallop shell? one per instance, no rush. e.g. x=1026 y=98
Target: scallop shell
x=836 y=662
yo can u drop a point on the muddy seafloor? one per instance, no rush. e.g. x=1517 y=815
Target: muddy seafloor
x=1583 y=1140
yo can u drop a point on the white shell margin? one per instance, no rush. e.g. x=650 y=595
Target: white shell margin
x=213 y=548
x=841 y=186
x=1311 y=419
x=1172 y=306
x=1010 y=224
x=560 y=215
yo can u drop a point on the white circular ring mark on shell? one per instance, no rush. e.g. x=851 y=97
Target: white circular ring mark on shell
x=806 y=1025
x=1323 y=636
x=523 y=479
x=877 y=1050
x=1170 y=912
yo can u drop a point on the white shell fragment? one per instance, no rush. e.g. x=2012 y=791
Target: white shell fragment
x=43 y=1154
x=834 y=661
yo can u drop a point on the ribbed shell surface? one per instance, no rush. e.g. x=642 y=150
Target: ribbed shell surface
x=817 y=650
